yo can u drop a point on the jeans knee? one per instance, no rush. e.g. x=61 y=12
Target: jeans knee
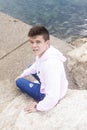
x=18 y=81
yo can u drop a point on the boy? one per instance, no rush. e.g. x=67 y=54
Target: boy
x=48 y=69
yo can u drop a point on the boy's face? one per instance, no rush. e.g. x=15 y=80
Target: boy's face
x=39 y=45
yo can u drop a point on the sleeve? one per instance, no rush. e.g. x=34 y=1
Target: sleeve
x=29 y=71
x=53 y=86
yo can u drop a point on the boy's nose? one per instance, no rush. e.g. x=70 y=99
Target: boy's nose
x=34 y=44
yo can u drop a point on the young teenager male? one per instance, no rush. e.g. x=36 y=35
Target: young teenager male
x=49 y=71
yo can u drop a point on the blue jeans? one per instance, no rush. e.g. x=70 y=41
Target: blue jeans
x=31 y=88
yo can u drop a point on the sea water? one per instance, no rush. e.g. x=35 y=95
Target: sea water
x=65 y=19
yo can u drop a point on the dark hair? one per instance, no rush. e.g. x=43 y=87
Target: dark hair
x=39 y=30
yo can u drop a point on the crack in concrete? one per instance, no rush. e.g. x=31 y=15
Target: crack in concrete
x=13 y=50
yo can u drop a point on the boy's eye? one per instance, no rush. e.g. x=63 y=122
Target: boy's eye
x=32 y=42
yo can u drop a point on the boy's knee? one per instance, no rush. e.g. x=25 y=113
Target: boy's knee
x=19 y=81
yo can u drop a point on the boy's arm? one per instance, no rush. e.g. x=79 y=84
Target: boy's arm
x=28 y=71
x=56 y=86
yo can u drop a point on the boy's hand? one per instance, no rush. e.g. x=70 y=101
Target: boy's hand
x=31 y=107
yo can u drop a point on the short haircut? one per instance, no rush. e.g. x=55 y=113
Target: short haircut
x=39 y=30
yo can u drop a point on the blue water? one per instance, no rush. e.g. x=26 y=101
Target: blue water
x=65 y=19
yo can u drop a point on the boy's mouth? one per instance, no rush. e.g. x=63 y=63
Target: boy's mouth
x=35 y=50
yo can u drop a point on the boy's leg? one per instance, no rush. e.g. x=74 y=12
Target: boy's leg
x=32 y=89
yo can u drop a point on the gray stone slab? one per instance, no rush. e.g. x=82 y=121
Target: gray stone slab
x=69 y=114
x=13 y=33
x=14 y=63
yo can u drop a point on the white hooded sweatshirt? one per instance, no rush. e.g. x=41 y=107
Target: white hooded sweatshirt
x=50 y=69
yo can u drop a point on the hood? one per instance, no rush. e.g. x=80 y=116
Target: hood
x=52 y=53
